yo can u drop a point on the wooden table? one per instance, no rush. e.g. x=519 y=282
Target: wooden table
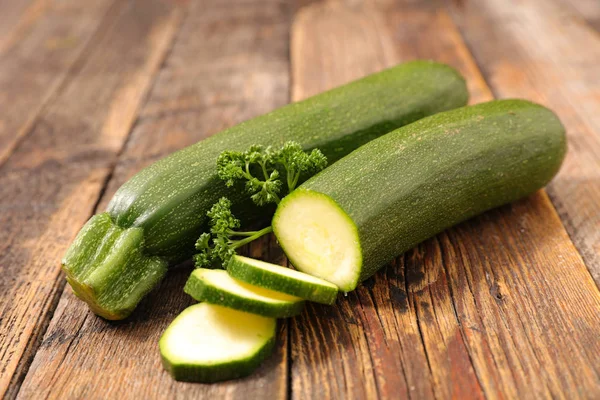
x=504 y=306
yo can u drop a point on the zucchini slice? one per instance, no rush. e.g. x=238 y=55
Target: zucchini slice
x=216 y=286
x=282 y=279
x=319 y=238
x=384 y=198
x=210 y=343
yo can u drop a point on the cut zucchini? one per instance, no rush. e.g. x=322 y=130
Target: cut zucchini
x=216 y=286
x=281 y=279
x=209 y=343
x=349 y=220
x=319 y=238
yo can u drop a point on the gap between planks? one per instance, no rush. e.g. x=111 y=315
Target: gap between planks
x=42 y=44
x=229 y=95
x=415 y=298
x=534 y=57
x=44 y=309
x=484 y=355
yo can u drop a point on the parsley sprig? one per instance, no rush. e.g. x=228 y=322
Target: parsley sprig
x=249 y=165
x=261 y=169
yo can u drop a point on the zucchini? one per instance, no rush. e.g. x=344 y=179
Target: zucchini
x=216 y=286
x=281 y=279
x=168 y=201
x=346 y=222
x=209 y=343
x=103 y=275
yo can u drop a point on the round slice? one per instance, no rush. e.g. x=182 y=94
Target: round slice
x=210 y=343
x=319 y=238
x=282 y=279
x=216 y=286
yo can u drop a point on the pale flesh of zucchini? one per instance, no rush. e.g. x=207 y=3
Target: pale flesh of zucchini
x=319 y=238
x=282 y=279
x=209 y=343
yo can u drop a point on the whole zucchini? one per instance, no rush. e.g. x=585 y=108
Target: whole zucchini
x=155 y=217
x=349 y=220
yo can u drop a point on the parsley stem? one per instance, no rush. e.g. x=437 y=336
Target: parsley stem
x=257 y=234
x=247 y=233
x=264 y=170
x=277 y=199
x=294 y=181
x=290 y=180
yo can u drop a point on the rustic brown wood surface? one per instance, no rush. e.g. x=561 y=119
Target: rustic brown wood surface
x=503 y=306
x=560 y=74
x=589 y=10
x=39 y=55
x=15 y=14
x=52 y=180
x=247 y=76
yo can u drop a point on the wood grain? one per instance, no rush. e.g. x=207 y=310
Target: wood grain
x=51 y=182
x=536 y=50
x=51 y=37
x=587 y=10
x=499 y=307
x=479 y=311
x=229 y=63
x=15 y=16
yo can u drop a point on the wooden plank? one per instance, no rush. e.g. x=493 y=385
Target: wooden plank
x=37 y=57
x=50 y=184
x=537 y=50
x=15 y=15
x=587 y=10
x=488 y=309
x=229 y=63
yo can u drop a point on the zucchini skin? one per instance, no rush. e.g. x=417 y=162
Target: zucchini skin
x=186 y=372
x=212 y=372
x=204 y=291
x=114 y=274
x=317 y=293
x=167 y=201
x=421 y=179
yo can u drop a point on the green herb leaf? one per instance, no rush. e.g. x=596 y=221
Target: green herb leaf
x=291 y=158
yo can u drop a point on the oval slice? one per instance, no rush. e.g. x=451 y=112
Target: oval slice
x=282 y=279
x=209 y=343
x=216 y=286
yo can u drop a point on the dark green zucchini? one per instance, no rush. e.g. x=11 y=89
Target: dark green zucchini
x=349 y=220
x=167 y=202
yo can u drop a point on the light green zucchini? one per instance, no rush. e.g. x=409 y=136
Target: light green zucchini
x=209 y=343
x=216 y=286
x=282 y=279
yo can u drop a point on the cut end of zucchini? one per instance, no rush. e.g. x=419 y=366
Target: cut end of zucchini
x=282 y=279
x=319 y=238
x=218 y=287
x=106 y=268
x=209 y=343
